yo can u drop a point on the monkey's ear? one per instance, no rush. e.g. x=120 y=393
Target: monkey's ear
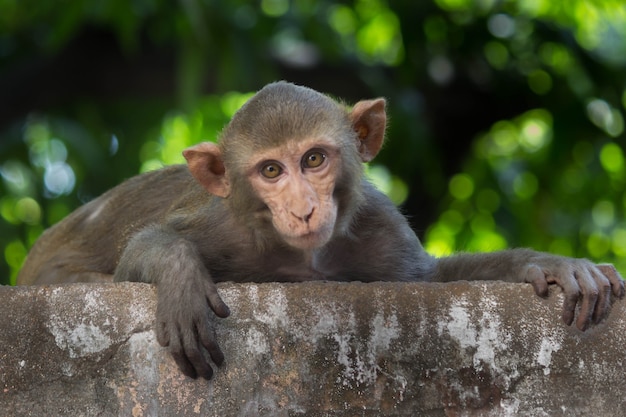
x=207 y=167
x=368 y=120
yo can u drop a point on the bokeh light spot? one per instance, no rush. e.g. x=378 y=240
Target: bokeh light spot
x=598 y=245
x=274 y=8
x=461 y=186
x=540 y=82
x=497 y=54
x=525 y=185
x=28 y=210
x=501 y=25
x=612 y=158
x=603 y=213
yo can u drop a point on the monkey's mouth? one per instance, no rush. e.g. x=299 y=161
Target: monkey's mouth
x=310 y=240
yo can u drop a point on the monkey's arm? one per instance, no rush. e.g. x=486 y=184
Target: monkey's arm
x=390 y=250
x=582 y=281
x=185 y=294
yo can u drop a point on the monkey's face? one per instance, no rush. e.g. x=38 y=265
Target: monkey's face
x=296 y=182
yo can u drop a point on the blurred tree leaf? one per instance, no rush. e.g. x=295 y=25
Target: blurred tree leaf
x=506 y=118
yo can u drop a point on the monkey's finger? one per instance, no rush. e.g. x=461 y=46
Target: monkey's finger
x=193 y=356
x=616 y=280
x=184 y=365
x=604 y=299
x=207 y=338
x=569 y=308
x=536 y=277
x=571 y=292
x=603 y=304
x=163 y=336
x=590 y=293
x=218 y=306
x=177 y=352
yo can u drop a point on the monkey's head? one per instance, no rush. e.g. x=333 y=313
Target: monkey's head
x=291 y=160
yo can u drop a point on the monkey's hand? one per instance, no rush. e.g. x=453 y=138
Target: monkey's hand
x=183 y=323
x=583 y=283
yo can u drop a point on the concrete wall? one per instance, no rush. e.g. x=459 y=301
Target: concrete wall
x=313 y=349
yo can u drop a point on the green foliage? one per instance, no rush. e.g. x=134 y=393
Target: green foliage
x=39 y=187
x=541 y=166
x=180 y=130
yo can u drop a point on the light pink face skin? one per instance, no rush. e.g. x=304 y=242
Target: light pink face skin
x=298 y=191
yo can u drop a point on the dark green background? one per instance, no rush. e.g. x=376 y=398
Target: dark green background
x=506 y=118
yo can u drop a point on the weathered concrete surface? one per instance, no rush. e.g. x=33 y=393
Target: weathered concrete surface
x=313 y=349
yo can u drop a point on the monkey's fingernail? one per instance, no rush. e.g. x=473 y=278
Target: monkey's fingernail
x=223 y=311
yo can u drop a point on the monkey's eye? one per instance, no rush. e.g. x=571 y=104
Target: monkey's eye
x=313 y=159
x=271 y=170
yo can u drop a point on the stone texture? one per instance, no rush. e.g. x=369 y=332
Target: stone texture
x=313 y=349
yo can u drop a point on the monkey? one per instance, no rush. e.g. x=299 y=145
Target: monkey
x=281 y=197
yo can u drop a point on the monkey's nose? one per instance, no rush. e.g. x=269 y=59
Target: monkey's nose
x=304 y=218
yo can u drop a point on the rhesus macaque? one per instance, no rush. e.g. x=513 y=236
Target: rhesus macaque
x=282 y=197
